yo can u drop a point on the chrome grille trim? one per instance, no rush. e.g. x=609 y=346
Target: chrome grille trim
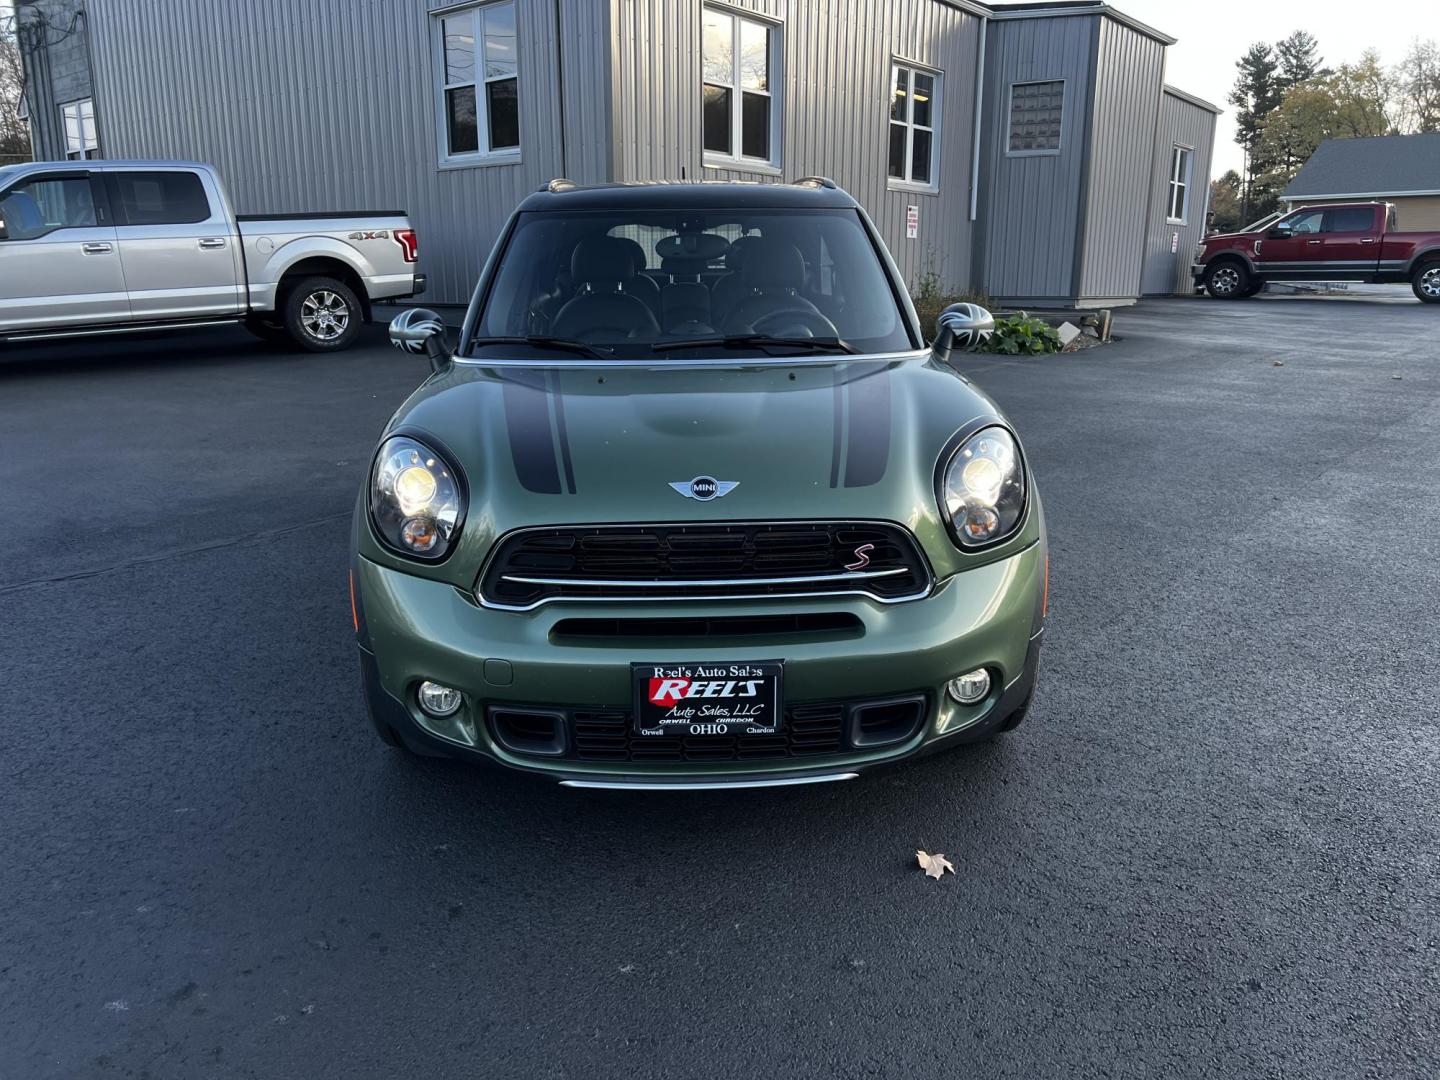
x=849 y=584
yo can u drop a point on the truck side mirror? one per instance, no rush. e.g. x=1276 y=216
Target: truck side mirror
x=420 y=330
x=961 y=328
x=1280 y=232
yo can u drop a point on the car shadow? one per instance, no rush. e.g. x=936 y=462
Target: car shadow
x=222 y=346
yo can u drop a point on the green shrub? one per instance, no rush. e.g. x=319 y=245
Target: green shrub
x=1020 y=335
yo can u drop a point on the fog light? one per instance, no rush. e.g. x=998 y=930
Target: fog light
x=438 y=700
x=971 y=687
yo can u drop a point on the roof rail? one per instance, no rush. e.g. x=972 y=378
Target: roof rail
x=559 y=184
x=816 y=181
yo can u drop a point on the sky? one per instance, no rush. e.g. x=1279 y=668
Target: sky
x=1214 y=34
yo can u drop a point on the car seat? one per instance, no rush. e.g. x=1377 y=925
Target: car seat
x=602 y=266
x=772 y=276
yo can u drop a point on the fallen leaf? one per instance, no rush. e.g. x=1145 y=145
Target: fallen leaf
x=933 y=865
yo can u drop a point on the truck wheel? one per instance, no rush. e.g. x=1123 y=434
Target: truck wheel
x=322 y=314
x=1227 y=280
x=1426 y=282
x=271 y=333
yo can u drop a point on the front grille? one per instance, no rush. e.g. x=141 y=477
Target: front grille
x=703 y=561
x=799 y=625
x=808 y=731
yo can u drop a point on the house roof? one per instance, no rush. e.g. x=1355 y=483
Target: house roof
x=1379 y=167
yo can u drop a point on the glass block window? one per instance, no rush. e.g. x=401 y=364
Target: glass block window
x=1036 y=111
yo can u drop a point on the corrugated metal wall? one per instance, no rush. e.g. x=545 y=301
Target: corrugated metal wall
x=1030 y=206
x=1118 y=191
x=313 y=104
x=1169 y=248
x=835 y=107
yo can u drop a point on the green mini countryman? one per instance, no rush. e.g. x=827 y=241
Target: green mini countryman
x=690 y=504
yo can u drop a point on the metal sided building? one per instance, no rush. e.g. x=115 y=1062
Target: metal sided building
x=1020 y=150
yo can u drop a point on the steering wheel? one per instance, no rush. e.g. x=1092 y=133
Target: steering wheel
x=794 y=322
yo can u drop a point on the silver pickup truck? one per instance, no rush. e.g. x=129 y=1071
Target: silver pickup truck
x=103 y=247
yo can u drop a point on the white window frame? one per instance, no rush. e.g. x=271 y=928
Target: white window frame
x=86 y=144
x=937 y=99
x=483 y=155
x=1179 y=153
x=714 y=159
x=1010 y=117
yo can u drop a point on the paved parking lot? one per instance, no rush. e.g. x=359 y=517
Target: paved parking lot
x=1212 y=851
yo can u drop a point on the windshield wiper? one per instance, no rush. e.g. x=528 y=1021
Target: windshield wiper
x=758 y=341
x=539 y=341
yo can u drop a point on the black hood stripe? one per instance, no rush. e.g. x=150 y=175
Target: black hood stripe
x=530 y=429
x=837 y=445
x=562 y=437
x=867 y=442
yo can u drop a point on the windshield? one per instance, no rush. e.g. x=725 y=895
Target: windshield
x=677 y=283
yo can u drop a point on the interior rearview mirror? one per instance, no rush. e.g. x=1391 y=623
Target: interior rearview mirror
x=961 y=328
x=420 y=330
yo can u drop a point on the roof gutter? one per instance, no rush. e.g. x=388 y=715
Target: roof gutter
x=1044 y=11
x=1362 y=195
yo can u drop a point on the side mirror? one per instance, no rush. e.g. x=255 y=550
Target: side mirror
x=961 y=328
x=1280 y=232
x=420 y=330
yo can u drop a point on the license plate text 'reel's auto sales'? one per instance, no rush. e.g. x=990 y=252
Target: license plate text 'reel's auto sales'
x=707 y=699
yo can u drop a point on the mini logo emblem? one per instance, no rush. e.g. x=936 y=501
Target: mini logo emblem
x=704 y=488
x=862 y=557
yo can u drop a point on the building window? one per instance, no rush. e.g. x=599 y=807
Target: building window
x=738 y=96
x=1036 y=111
x=1179 y=204
x=479 y=92
x=914 y=117
x=79 y=120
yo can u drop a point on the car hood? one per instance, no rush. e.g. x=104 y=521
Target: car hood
x=1226 y=237
x=569 y=444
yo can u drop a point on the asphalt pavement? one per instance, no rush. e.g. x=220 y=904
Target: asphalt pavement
x=1212 y=851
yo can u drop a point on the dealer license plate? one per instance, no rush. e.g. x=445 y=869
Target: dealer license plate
x=673 y=700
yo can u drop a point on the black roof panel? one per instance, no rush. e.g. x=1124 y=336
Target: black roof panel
x=688 y=194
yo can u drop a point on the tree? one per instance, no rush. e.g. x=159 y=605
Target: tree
x=1255 y=93
x=14 y=135
x=1356 y=101
x=1366 y=98
x=1297 y=59
x=1418 y=79
x=1225 y=202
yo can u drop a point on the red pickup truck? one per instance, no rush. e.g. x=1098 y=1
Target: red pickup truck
x=1334 y=242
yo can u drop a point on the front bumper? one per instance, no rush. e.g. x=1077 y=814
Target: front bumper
x=413 y=629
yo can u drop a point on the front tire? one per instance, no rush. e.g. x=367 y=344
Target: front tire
x=322 y=314
x=1426 y=282
x=1227 y=280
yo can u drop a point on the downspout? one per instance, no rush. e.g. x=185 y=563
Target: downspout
x=979 y=115
x=560 y=87
x=95 y=98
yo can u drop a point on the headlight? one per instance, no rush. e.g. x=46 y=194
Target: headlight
x=415 y=499
x=983 y=494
